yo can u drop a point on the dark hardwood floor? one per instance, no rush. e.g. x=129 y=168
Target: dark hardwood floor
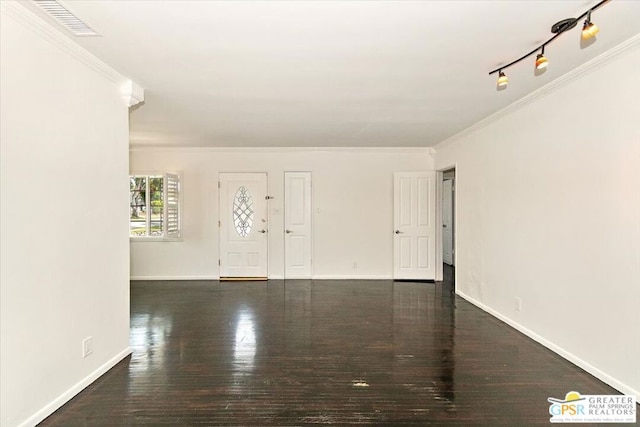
x=322 y=352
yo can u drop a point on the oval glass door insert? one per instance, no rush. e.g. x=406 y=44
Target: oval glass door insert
x=243 y=211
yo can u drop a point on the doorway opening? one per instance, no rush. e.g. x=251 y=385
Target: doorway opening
x=448 y=217
x=446 y=237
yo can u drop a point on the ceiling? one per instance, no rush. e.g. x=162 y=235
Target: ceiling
x=332 y=73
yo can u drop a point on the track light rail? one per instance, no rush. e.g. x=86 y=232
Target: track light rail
x=561 y=27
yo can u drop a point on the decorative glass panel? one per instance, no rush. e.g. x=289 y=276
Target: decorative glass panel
x=243 y=211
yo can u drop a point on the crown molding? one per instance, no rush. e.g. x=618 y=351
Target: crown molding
x=589 y=66
x=30 y=20
x=388 y=150
x=132 y=93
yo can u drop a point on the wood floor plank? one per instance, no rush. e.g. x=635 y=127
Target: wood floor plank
x=321 y=352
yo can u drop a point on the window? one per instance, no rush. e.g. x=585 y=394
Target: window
x=154 y=206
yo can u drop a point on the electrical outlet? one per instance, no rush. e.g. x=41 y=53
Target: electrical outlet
x=87 y=346
x=517 y=304
x=355 y=265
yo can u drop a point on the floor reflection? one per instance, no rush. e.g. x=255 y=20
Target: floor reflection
x=321 y=352
x=424 y=341
x=244 y=349
x=148 y=338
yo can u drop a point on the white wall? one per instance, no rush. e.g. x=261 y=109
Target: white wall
x=64 y=246
x=548 y=210
x=352 y=205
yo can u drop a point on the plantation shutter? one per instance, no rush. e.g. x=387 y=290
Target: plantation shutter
x=172 y=204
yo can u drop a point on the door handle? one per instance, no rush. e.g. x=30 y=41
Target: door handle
x=398 y=232
x=262 y=231
x=288 y=231
x=444 y=225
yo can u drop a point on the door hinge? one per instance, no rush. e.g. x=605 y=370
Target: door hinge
x=219 y=263
x=218 y=184
x=219 y=224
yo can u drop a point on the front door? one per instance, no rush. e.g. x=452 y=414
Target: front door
x=243 y=225
x=414 y=225
x=297 y=225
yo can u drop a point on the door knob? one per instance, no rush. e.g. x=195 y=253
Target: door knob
x=444 y=225
x=288 y=231
x=262 y=231
x=398 y=231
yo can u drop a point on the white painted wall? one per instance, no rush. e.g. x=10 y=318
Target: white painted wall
x=64 y=247
x=352 y=205
x=548 y=210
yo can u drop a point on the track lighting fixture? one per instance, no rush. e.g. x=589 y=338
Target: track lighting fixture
x=541 y=60
x=589 y=30
x=502 y=79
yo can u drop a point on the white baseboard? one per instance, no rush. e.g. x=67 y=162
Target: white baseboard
x=271 y=277
x=75 y=389
x=351 y=277
x=602 y=376
x=147 y=278
x=174 y=278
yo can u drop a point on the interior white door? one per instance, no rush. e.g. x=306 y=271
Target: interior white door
x=447 y=221
x=243 y=225
x=414 y=225
x=297 y=225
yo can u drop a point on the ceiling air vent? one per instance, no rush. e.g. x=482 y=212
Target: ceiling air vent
x=65 y=18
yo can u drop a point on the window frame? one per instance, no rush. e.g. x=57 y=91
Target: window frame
x=171 y=206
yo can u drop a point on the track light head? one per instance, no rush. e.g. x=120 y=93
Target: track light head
x=502 y=79
x=541 y=62
x=589 y=29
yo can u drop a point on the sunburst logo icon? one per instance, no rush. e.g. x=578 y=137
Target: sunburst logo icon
x=571 y=397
